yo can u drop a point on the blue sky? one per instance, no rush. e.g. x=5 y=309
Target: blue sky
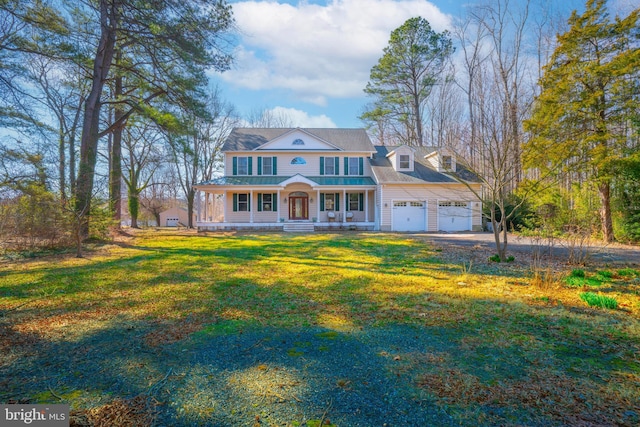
x=310 y=60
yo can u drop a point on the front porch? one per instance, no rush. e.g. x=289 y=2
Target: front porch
x=296 y=204
x=287 y=226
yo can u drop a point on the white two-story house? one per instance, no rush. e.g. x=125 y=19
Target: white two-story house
x=314 y=179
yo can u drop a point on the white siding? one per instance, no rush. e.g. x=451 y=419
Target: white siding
x=285 y=168
x=286 y=142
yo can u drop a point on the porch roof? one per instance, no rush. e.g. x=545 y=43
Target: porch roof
x=259 y=181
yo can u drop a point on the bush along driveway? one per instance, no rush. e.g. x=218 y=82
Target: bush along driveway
x=362 y=329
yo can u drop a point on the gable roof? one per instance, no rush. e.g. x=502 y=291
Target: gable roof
x=394 y=149
x=248 y=139
x=422 y=172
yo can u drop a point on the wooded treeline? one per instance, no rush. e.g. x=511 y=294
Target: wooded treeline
x=97 y=94
x=118 y=87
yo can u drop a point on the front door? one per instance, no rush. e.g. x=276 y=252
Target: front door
x=298 y=207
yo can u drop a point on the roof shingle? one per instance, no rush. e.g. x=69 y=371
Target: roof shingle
x=247 y=139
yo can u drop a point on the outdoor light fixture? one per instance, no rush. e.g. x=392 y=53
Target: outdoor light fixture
x=285 y=200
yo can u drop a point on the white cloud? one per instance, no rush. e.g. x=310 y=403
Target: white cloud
x=298 y=118
x=318 y=51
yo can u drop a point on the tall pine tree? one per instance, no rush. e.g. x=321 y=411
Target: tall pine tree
x=412 y=64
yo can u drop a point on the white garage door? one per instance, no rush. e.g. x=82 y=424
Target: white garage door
x=409 y=216
x=454 y=216
x=172 y=222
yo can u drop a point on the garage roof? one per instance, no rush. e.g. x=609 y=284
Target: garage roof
x=423 y=171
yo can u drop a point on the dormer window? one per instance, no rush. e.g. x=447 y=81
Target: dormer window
x=404 y=161
x=402 y=158
x=447 y=163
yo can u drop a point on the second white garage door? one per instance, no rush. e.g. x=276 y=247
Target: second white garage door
x=409 y=216
x=454 y=216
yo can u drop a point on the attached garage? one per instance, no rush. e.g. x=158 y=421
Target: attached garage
x=409 y=216
x=454 y=216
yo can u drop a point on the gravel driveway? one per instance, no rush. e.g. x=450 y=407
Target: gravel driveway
x=562 y=249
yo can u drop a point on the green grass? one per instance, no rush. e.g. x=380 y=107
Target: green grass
x=503 y=342
x=595 y=300
x=580 y=278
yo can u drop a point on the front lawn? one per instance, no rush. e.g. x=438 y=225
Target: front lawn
x=176 y=328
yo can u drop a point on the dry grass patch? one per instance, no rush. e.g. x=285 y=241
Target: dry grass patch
x=135 y=412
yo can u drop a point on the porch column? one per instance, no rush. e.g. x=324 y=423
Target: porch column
x=366 y=206
x=279 y=205
x=345 y=203
x=318 y=205
x=206 y=206
x=198 y=195
x=224 y=206
x=382 y=208
x=252 y=205
x=212 y=206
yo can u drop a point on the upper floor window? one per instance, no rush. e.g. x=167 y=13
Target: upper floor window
x=298 y=161
x=242 y=165
x=267 y=166
x=353 y=166
x=297 y=142
x=329 y=165
x=404 y=161
x=447 y=163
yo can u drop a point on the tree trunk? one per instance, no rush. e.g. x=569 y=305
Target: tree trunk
x=190 y=199
x=91 y=122
x=604 y=189
x=418 y=113
x=500 y=228
x=61 y=162
x=134 y=207
x=115 y=178
x=72 y=164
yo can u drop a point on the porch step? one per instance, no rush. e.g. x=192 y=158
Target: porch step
x=299 y=227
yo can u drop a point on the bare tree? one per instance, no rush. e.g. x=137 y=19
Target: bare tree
x=61 y=93
x=142 y=143
x=197 y=154
x=269 y=118
x=492 y=40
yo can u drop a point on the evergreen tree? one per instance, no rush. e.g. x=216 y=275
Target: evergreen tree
x=589 y=92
